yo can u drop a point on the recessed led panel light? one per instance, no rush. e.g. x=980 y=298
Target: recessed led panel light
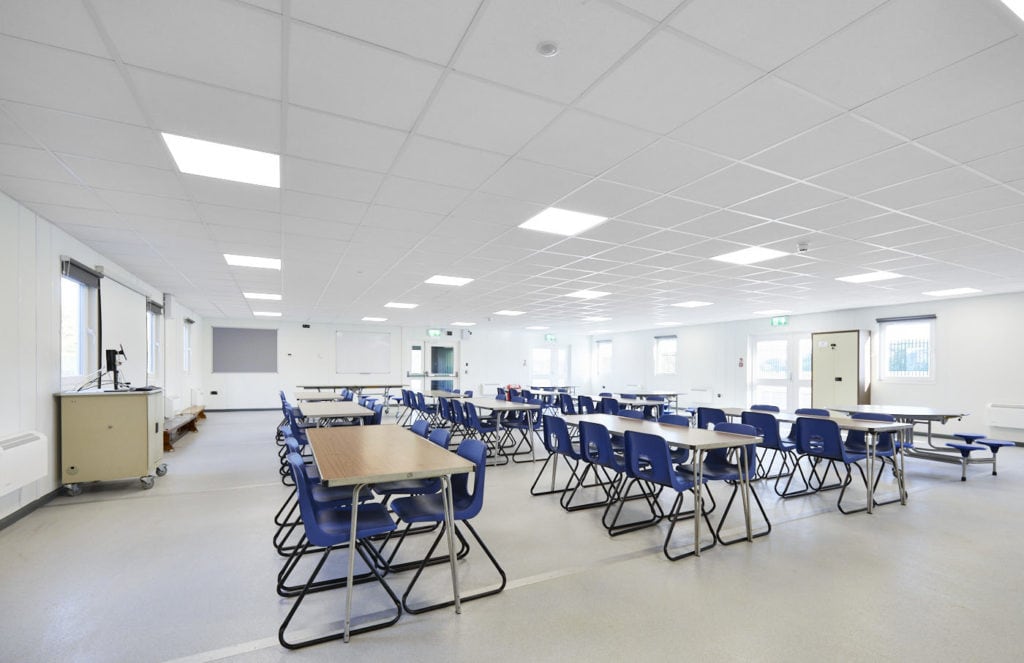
x=1016 y=6
x=399 y=305
x=562 y=221
x=224 y=162
x=372 y=319
x=596 y=318
x=252 y=261
x=588 y=294
x=772 y=311
x=750 y=255
x=262 y=295
x=463 y=324
x=869 y=277
x=692 y=304
x=952 y=292
x=438 y=279
x=507 y=312
x=536 y=327
x=267 y=314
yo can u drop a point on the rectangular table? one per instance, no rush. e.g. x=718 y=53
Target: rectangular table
x=872 y=429
x=361 y=455
x=500 y=408
x=324 y=411
x=698 y=440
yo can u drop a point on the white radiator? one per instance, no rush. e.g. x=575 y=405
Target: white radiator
x=24 y=458
x=701 y=396
x=1001 y=415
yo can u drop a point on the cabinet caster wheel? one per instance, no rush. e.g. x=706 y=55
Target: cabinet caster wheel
x=161 y=469
x=73 y=489
x=147 y=481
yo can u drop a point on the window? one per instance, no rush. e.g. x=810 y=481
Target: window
x=907 y=350
x=152 y=345
x=186 y=346
x=549 y=366
x=604 y=357
x=73 y=325
x=665 y=355
x=780 y=371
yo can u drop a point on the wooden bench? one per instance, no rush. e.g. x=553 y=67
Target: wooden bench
x=181 y=423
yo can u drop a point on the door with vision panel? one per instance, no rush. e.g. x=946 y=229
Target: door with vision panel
x=839 y=365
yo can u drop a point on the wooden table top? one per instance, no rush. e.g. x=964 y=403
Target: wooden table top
x=904 y=412
x=679 y=436
x=308 y=395
x=845 y=423
x=440 y=393
x=334 y=387
x=351 y=455
x=505 y=406
x=334 y=409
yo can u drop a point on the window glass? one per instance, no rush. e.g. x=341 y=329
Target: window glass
x=604 y=357
x=907 y=350
x=186 y=349
x=72 y=327
x=665 y=355
x=152 y=346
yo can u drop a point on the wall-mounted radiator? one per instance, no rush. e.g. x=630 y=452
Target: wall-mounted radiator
x=1002 y=415
x=23 y=459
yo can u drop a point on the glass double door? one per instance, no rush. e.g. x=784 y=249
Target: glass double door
x=434 y=366
x=780 y=371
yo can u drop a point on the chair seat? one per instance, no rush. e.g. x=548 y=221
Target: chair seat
x=428 y=508
x=995 y=445
x=336 y=524
x=969 y=438
x=964 y=449
x=408 y=487
x=712 y=472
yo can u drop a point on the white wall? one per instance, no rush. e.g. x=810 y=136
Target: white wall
x=181 y=389
x=977 y=360
x=30 y=250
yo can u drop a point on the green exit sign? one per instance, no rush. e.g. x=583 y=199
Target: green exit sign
x=433 y=333
x=780 y=321
x=550 y=338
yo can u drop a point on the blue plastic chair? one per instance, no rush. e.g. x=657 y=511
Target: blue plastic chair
x=430 y=509
x=597 y=450
x=767 y=426
x=710 y=415
x=609 y=405
x=441 y=438
x=764 y=408
x=585 y=405
x=487 y=432
x=329 y=529
x=565 y=404
x=420 y=427
x=820 y=440
x=558 y=444
x=631 y=414
x=648 y=459
x=718 y=468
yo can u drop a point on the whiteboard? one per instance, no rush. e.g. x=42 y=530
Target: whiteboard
x=123 y=324
x=362 y=352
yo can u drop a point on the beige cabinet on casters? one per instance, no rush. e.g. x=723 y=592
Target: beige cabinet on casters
x=111 y=435
x=840 y=367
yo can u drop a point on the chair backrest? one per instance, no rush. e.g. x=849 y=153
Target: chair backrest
x=609 y=405
x=766 y=425
x=304 y=493
x=378 y=414
x=458 y=416
x=421 y=427
x=819 y=437
x=445 y=408
x=675 y=419
x=468 y=393
x=441 y=437
x=813 y=411
x=631 y=414
x=472 y=418
x=565 y=404
x=859 y=438
x=456 y=391
x=750 y=450
x=633 y=396
x=501 y=391
x=605 y=393
x=586 y=405
x=293 y=424
x=648 y=458
x=421 y=403
x=556 y=437
x=596 y=445
x=710 y=415
x=466 y=505
x=764 y=407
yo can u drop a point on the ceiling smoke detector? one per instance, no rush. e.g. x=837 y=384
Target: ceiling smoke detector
x=548 y=49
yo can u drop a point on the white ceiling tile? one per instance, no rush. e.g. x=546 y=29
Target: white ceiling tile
x=401 y=220
x=668 y=240
x=835 y=214
x=615 y=231
x=935 y=186
x=900 y=42
x=84 y=136
x=63 y=23
x=323 y=137
x=318 y=228
x=232 y=194
x=252 y=236
x=429 y=30
x=295 y=203
x=31 y=163
x=666 y=82
x=604 y=199
x=766 y=112
x=159 y=230
x=585 y=143
x=767 y=33
x=982 y=221
x=591 y=37
x=57 y=193
x=832 y=144
x=879 y=225
x=656 y=9
x=155 y=206
x=363 y=82
x=497 y=210
x=11 y=134
x=103 y=174
x=982 y=136
x=790 y=200
x=55 y=78
x=198 y=110
x=667 y=212
x=731 y=185
x=664 y=166
x=422 y=196
x=960 y=92
x=222 y=43
x=484 y=115
x=720 y=223
x=329 y=180
x=536 y=182
x=991 y=198
x=447 y=164
x=898 y=164
x=1004 y=166
x=62 y=214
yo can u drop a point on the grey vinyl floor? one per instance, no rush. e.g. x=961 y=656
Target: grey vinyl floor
x=186 y=572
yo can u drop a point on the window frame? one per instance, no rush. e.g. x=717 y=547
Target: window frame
x=662 y=357
x=186 y=347
x=885 y=325
x=598 y=346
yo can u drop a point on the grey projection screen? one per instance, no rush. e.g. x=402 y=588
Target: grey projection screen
x=241 y=350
